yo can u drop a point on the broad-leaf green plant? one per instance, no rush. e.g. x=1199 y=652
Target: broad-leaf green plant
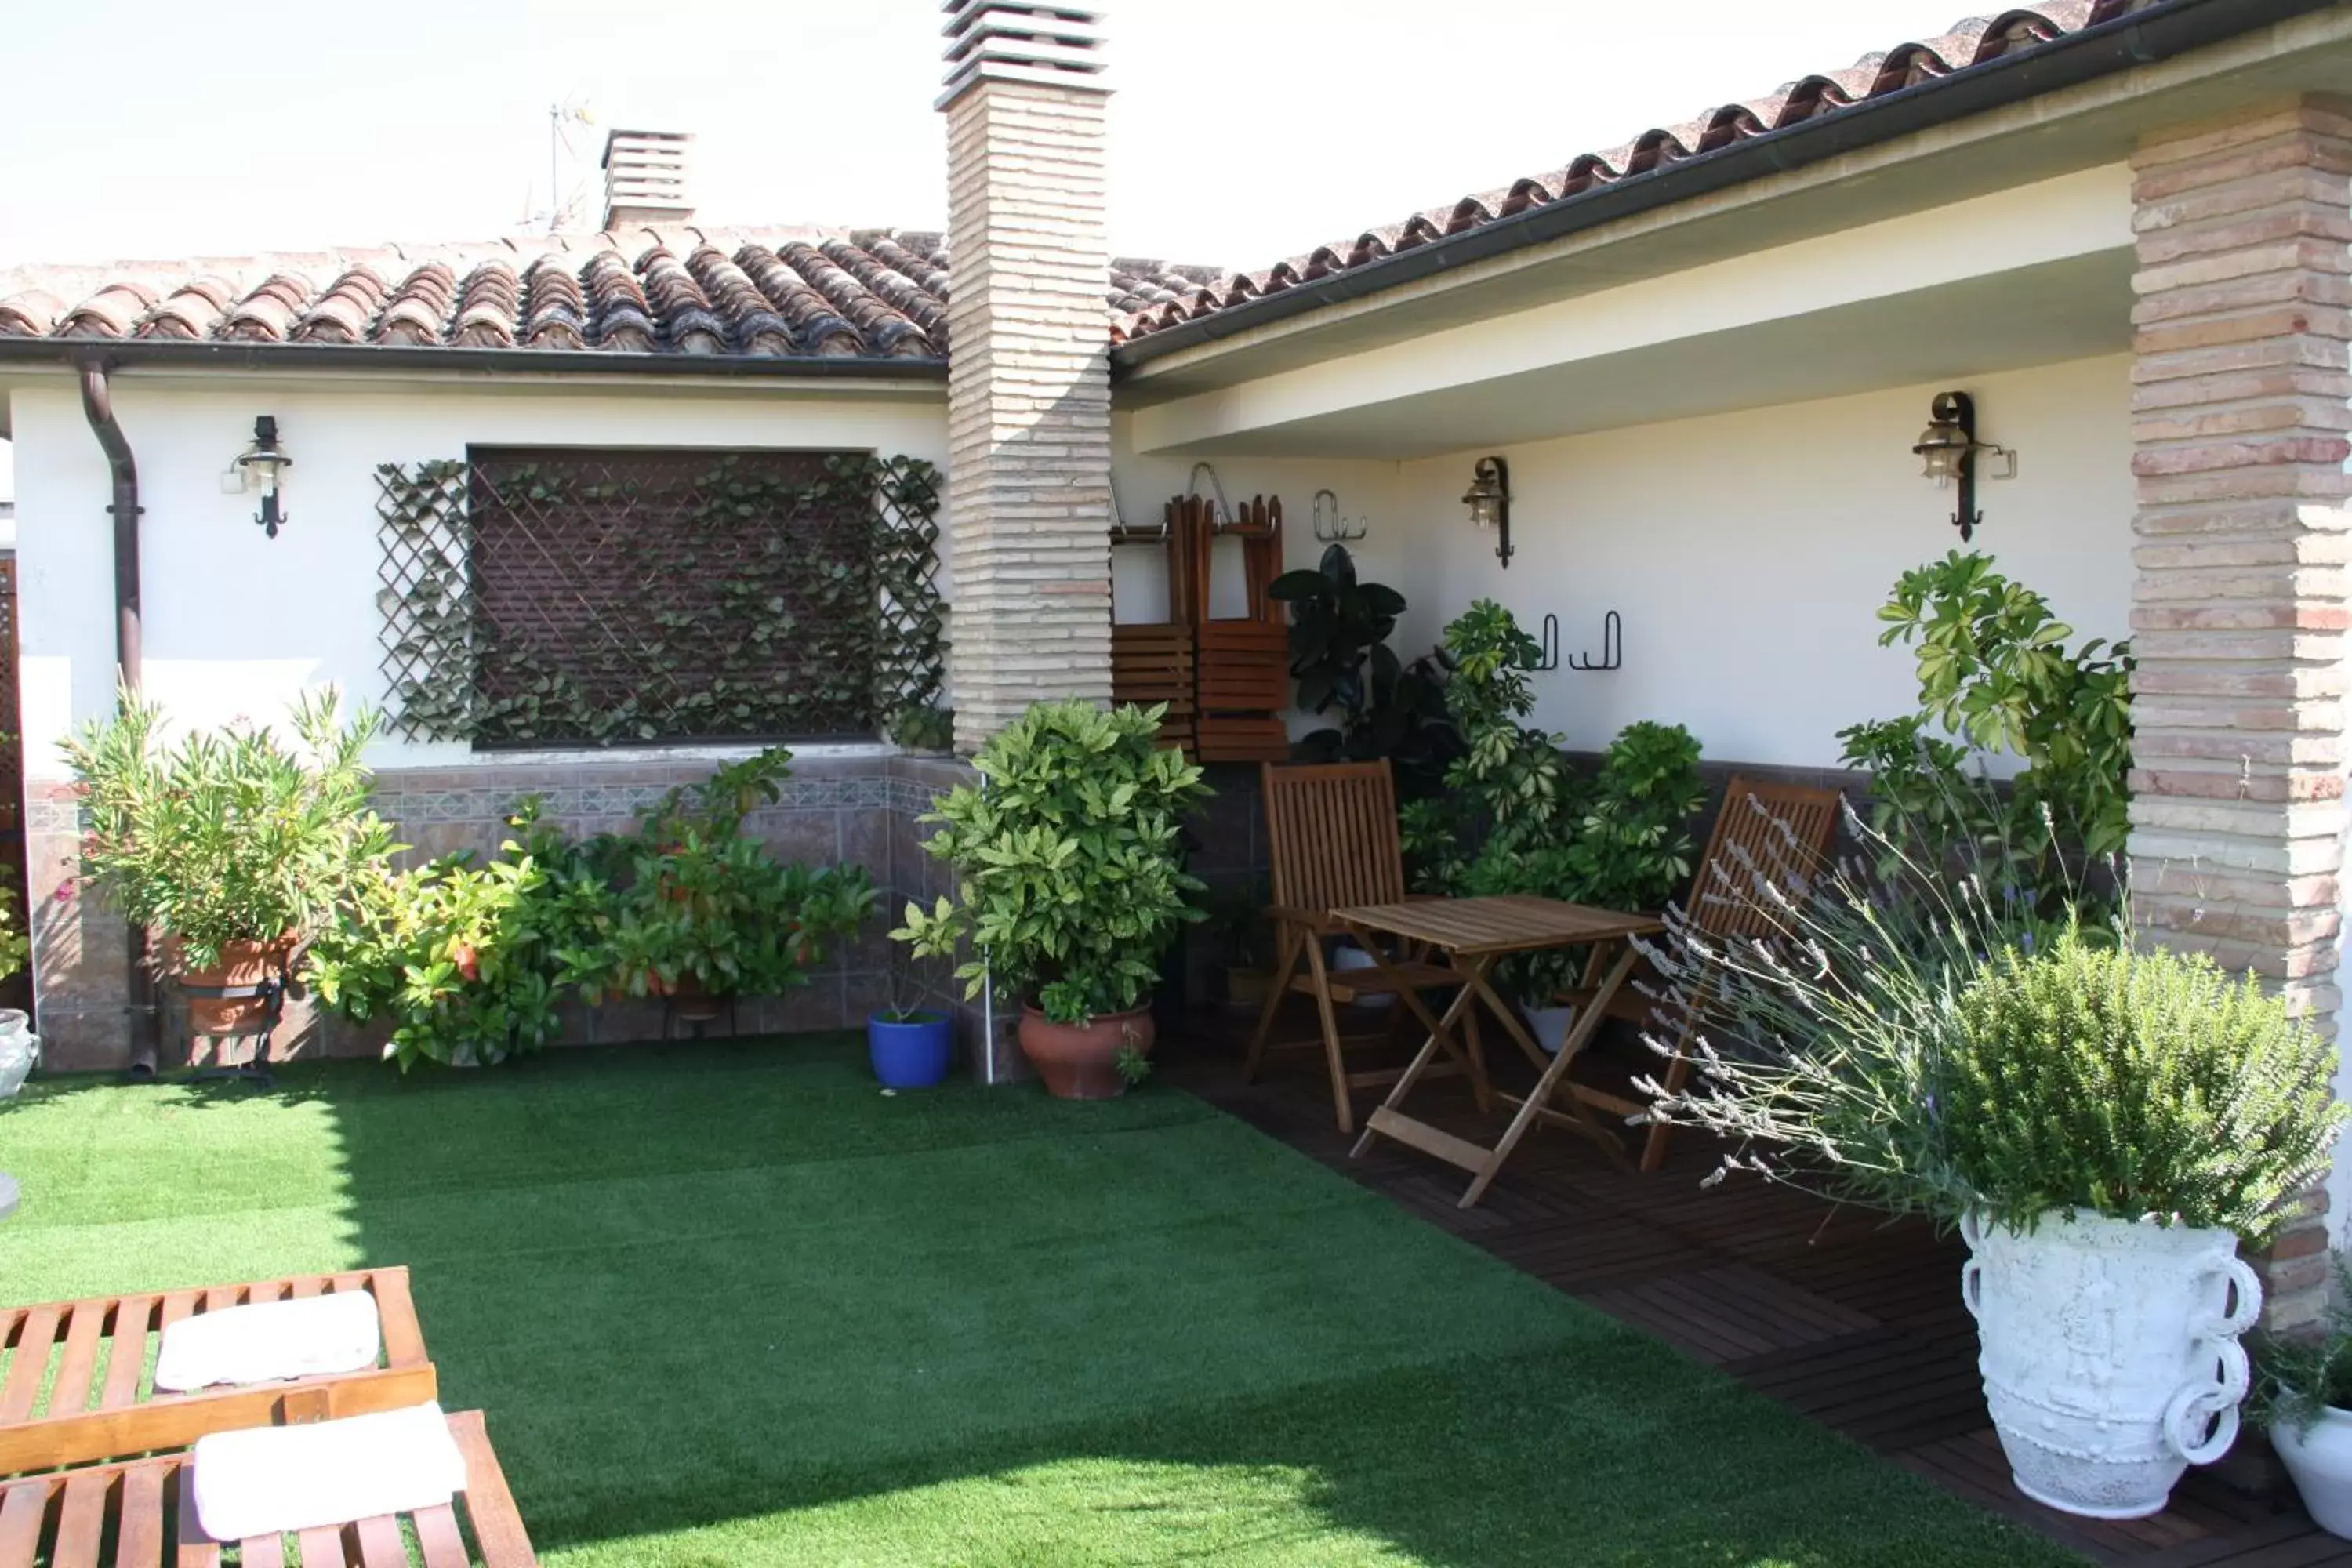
x=1069 y=863
x=15 y=943
x=470 y=964
x=230 y=835
x=699 y=904
x=1996 y=677
x=1515 y=819
x=1339 y=654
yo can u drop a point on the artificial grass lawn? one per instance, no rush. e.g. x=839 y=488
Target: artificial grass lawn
x=729 y=1304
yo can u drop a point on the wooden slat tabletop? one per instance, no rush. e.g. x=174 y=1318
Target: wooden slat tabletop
x=1505 y=923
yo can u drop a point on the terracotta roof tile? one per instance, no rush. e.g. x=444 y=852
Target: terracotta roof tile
x=1974 y=41
x=686 y=291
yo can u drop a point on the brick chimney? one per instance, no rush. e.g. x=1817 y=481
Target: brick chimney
x=1029 y=385
x=645 y=177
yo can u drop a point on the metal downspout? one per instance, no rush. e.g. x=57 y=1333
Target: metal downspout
x=97 y=406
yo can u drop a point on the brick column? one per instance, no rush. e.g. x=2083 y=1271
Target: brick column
x=2240 y=603
x=1029 y=381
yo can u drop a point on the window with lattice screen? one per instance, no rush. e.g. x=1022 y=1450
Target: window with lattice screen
x=539 y=596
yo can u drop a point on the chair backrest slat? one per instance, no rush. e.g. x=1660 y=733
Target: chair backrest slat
x=1331 y=833
x=1787 y=842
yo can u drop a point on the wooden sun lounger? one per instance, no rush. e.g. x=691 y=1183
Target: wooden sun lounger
x=63 y=1519
x=80 y=1414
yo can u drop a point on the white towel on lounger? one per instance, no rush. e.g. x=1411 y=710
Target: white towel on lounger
x=315 y=1337
x=271 y=1480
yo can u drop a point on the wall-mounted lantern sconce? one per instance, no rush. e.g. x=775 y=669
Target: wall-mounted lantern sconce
x=263 y=463
x=1489 y=501
x=1948 y=449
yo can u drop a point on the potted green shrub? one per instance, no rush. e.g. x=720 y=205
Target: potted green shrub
x=1341 y=658
x=468 y=963
x=908 y=1047
x=233 y=846
x=1070 y=884
x=1515 y=819
x=2107 y=1126
x=702 y=912
x=2304 y=1395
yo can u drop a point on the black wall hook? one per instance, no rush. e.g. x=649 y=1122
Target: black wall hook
x=1612 y=646
x=1550 y=644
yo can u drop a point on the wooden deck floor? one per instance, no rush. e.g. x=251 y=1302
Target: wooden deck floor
x=1854 y=1321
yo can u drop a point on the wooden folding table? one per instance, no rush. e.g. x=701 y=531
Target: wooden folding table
x=1478 y=933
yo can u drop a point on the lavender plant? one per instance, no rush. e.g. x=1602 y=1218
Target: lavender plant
x=1916 y=1042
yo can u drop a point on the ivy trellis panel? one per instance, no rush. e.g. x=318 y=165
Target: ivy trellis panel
x=564 y=596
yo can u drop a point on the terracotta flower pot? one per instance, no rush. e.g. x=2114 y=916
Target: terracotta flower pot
x=1082 y=1062
x=241 y=964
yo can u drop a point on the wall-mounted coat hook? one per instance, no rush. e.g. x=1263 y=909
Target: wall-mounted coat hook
x=1223 y=517
x=1612 y=646
x=1550 y=644
x=1123 y=532
x=1330 y=528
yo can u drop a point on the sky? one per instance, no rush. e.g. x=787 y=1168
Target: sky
x=1242 y=131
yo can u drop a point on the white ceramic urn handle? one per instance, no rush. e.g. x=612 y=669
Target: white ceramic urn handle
x=2231 y=1321
x=2209 y=1399
x=1972 y=1271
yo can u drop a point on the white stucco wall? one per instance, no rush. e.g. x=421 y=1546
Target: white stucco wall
x=1748 y=553
x=238 y=623
x=1366 y=491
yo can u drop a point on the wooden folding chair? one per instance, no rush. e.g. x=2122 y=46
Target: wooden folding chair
x=57 y=1407
x=1785 y=842
x=65 y=1519
x=1332 y=835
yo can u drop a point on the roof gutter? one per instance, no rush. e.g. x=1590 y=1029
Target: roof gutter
x=207 y=355
x=2141 y=38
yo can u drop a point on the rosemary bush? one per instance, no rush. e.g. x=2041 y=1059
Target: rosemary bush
x=2128 y=1082
x=1917 y=1045
x=2299 y=1378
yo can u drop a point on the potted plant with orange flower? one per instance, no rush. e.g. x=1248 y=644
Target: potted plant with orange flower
x=234 y=847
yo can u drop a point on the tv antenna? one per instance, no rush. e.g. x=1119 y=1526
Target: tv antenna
x=574 y=109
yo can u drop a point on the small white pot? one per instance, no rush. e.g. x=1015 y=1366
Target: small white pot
x=20 y=1049
x=1549 y=1027
x=2110 y=1354
x=2320 y=1461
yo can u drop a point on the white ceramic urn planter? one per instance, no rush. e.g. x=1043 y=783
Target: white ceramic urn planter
x=2110 y=1354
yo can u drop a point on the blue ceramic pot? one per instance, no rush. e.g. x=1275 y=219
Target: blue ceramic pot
x=910 y=1053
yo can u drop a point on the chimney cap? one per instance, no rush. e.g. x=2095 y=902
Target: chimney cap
x=646 y=139
x=646 y=178
x=1007 y=41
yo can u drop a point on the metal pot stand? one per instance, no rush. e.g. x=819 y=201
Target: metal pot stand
x=254 y=1070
